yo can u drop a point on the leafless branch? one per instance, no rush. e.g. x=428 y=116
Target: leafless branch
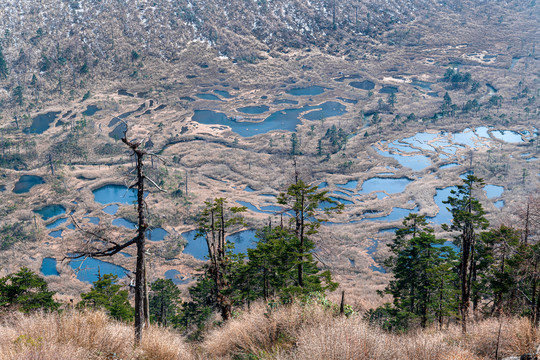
x=154 y=183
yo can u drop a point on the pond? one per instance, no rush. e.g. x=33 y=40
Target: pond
x=328 y=109
x=388 y=185
x=111 y=209
x=56 y=234
x=310 y=90
x=421 y=140
x=507 y=136
x=198 y=249
x=41 y=122
x=224 y=94
x=444 y=216
x=56 y=223
x=113 y=193
x=48 y=267
x=448 y=166
x=153 y=234
x=50 y=211
x=415 y=162
x=286 y=119
x=499 y=204
x=493 y=191
x=388 y=230
x=208 y=97
x=351 y=185
x=389 y=90
x=2 y=188
x=91 y=110
x=26 y=182
x=87 y=270
x=254 y=109
x=92 y=219
x=363 y=85
x=174 y=275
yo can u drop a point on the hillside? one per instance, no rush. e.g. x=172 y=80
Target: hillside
x=238 y=95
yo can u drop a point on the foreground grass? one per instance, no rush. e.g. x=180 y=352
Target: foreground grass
x=286 y=333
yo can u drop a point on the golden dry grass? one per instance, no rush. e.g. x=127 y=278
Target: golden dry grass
x=287 y=333
x=83 y=335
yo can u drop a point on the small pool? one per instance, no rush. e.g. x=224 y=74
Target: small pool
x=199 y=250
x=27 y=182
x=91 y=110
x=48 y=267
x=56 y=223
x=87 y=269
x=109 y=194
x=493 y=191
x=306 y=91
x=50 y=211
x=363 y=85
x=41 y=122
x=388 y=185
x=507 y=136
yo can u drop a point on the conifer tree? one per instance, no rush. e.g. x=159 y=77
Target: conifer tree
x=468 y=216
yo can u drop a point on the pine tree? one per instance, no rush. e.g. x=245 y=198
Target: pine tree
x=304 y=201
x=164 y=301
x=467 y=216
x=422 y=283
x=26 y=291
x=106 y=294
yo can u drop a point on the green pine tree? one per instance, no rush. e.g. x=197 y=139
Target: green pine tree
x=106 y=294
x=26 y=291
x=164 y=301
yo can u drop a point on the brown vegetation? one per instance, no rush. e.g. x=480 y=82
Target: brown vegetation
x=288 y=333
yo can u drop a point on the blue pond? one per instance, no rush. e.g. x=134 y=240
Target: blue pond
x=388 y=90
x=415 y=162
x=91 y=110
x=92 y=219
x=26 y=182
x=286 y=119
x=499 y=204
x=109 y=194
x=224 y=94
x=389 y=185
x=254 y=109
x=328 y=109
x=50 y=211
x=155 y=234
x=447 y=166
x=351 y=184
x=87 y=269
x=48 y=267
x=174 y=276
x=444 y=216
x=198 y=249
x=208 y=97
x=56 y=223
x=493 y=191
x=507 y=136
x=111 y=209
x=56 y=233
x=41 y=123
x=310 y=90
x=363 y=85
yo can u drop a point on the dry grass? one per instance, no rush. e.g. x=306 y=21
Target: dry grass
x=83 y=335
x=286 y=333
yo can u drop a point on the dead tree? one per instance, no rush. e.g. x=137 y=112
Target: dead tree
x=114 y=247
